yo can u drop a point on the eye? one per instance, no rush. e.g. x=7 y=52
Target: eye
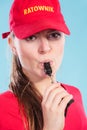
x=54 y=35
x=30 y=38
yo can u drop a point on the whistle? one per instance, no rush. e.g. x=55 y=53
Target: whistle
x=47 y=68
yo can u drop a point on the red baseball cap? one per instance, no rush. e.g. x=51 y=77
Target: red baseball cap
x=28 y=17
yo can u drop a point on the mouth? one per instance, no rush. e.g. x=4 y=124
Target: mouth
x=46 y=61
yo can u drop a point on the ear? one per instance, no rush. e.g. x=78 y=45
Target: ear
x=12 y=45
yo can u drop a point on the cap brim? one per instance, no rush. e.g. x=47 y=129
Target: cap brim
x=25 y=30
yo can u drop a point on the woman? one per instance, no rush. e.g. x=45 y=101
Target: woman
x=36 y=101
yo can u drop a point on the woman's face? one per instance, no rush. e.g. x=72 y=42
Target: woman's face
x=35 y=50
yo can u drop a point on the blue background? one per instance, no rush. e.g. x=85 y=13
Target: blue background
x=74 y=67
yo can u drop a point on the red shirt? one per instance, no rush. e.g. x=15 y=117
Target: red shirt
x=11 y=119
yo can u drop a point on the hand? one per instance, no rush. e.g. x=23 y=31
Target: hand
x=54 y=102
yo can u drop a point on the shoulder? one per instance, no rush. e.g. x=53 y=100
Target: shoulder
x=8 y=101
x=7 y=96
x=10 y=112
x=70 y=88
x=76 y=113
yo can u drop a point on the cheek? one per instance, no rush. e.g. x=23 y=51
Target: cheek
x=24 y=56
x=59 y=55
x=27 y=57
x=22 y=49
x=22 y=53
x=60 y=50
x=27 y=54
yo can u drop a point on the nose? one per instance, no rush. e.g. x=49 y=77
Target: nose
x=44 y=45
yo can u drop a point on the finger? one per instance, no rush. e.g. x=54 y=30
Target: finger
x=64 y=102
x=49 y=89
x=58 y=98
x=52 y=96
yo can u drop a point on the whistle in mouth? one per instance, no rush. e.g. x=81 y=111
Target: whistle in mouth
x=47 y=68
